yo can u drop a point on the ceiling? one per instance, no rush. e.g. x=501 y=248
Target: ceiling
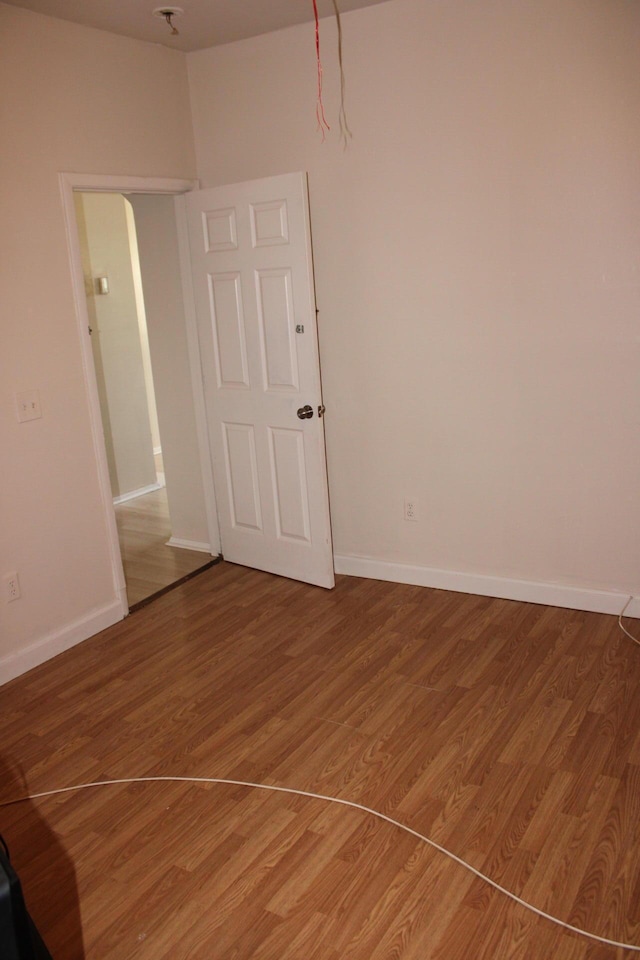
x=204 y=23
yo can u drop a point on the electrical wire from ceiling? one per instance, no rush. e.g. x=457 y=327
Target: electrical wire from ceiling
x=345 y=132
x=323 y=126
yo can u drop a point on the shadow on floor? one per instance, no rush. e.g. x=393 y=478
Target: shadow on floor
x=45 y=870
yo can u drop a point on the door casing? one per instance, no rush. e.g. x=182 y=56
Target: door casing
x=70 y=182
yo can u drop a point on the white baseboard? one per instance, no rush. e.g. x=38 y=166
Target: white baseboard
x=529 y=591
x=15 y=664
x=140 y=492
x=189 y=545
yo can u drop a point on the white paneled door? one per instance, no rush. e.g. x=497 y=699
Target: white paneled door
x=253 y=283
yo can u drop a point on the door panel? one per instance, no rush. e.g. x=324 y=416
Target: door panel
x=242 y=475
x=255 y=305
x=289 y=475
x=227 y=323
x=276 y=320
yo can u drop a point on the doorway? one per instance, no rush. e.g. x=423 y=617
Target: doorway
x=160 y=539
x=270 y=228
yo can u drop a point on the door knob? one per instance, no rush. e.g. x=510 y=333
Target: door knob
x=306 y=412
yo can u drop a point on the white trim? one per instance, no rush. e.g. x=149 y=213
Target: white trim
x=156 y=451
x=195 y=366
x=105 y=183
x=15 y=664
x=140 y=492
x=69 y=182
x=91 y=390
x=189 y=545
x=528 y=591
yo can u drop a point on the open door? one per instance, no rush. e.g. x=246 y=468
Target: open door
x=255 y=306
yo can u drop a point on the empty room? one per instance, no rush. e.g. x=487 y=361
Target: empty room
x=386 y=701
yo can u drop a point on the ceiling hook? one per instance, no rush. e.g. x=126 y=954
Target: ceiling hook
x=168 y=14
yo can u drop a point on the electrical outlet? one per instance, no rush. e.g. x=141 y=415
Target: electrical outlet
x=11 y=587
x=410 y=510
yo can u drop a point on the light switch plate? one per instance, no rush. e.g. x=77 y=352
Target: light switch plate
x=28 y=406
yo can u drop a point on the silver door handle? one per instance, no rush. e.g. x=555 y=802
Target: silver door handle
x=306 y=412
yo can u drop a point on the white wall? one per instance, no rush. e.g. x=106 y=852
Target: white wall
x=75 y=100
x=142 y=326
x=104 y=239
x=477 y=270
x=159 y=264
x=478 y=276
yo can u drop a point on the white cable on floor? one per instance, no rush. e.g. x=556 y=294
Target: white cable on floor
x=346 y=803
x=621 y=624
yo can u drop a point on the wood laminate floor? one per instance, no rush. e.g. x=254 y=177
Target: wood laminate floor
x=150 y=565
x=507 y=732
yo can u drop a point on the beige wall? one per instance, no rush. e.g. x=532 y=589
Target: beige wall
x=159 y=264
x=477 y=268
x=75 y=100
x=142 y=325
x=116 y=342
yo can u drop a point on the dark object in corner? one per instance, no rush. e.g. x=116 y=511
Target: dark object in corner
x=19 y=939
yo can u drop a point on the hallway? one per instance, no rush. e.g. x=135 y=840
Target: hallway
x=144 y=526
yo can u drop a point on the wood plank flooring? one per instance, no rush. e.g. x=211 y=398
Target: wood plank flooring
x=508 y=732
x=144 y=526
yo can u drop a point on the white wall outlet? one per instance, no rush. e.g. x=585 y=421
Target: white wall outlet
x=410 y=509
x=28 y=406
x=11 y=587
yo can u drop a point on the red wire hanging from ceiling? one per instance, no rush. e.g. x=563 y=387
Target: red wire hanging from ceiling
x=323 y=126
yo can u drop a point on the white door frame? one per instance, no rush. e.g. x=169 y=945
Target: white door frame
x=98 y=183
